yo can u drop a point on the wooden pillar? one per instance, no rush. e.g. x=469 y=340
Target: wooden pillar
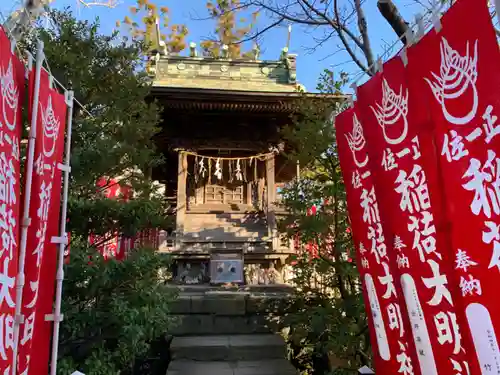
x=249 y=192
x=260 y=192
x=181 y=193
x=271 y=198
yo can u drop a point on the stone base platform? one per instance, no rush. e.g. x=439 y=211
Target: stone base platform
x=228 y=331
x=203 y=289
x=206 y=310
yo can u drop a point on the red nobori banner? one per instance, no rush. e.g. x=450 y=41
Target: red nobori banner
x=454 y=73
x=12 y=79
x=108 y=245
x=42 y=334
x=45 y=203
x=391 y=347
x=112 y=245
x=404 y=181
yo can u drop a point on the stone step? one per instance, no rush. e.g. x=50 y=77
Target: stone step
x=229 y=303
x=255 y=290
x=262 y=367
x=230 y=348
x=198 y=324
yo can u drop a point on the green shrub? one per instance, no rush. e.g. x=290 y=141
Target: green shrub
x=113 y=311
x=326 y=320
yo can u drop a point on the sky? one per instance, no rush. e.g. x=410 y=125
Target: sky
x=310 y=63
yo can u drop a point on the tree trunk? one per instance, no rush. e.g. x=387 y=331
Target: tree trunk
x=391 y=13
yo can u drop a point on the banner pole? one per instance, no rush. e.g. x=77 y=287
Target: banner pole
x=62 y=240
x=27 y=199
x=497 y=8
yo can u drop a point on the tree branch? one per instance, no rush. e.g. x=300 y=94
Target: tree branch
x=363 y=29
x=257 y=34
x=322 y=20
x=391 y=13
x=335 y=24
x=346 y=44
x=288 y=17
x=311 y=13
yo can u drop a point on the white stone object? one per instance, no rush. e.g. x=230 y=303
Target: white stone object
x=366 y=370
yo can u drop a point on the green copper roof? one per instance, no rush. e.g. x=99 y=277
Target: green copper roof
x=224 y=74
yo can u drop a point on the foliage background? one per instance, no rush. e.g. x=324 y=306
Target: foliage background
x=115 y=312
x=113 y=136
x=325 y=321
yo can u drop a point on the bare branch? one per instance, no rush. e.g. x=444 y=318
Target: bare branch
x=255 y=35
x=320 y=42
x=335 y=24
x=363 y=29
x=346 y=44
x=282 y=14
x=307 y=12
x=390 y=12
x=327 y=14
x=102 y=3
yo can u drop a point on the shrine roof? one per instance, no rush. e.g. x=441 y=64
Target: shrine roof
x=201 y=83
x=233 y=100
x=225 y=74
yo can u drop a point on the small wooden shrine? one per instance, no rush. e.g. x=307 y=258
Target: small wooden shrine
x=224 y=167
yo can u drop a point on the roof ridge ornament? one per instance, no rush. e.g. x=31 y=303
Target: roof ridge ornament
x=256 y=51
x=291 y=65
x=284 y=53
x=192 y=50
x=225 y=51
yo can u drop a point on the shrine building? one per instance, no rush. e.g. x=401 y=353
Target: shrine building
x=224 y=170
